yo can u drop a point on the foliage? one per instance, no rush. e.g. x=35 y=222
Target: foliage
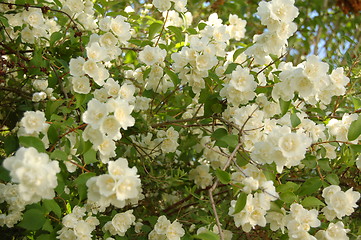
x=172 y=123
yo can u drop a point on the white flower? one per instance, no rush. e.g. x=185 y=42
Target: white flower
x=39 y=96
x=335 y=231
x=174 y=231
x=293 y=145
x=122 y=222
x=35 y=173
x=33 y=122
x=34 y=17
x=96 y=52
x=110 y=126
x=127 y=187
x=40 y=85
x=151 y=55
x=201 y=176
x=162 y=224
x=106 y=184
x=120 y=28
x=339 y=203
x=95 y=113
x=81 y=84
x=83 y=230
x=162 y=5
x=76 y=66
x=76 y=6
x=108 y=40
x=122 y=111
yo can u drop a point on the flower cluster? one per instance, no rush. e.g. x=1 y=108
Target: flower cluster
x=76 y=227
x=193 y=62
x=300 y=221
x=201 y=176
x=310 y=79
x=121 y=186
x=35 y=173
x=277 y=15
x=166 y=230
x=37 y=27
x=104 y=123
x=283 y=147
x=120 y=223
x=9 y=193
x=339 y=203
x=257 y=205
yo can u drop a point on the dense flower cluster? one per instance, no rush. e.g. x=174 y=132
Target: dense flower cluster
x=9 y=193
x=35 y=173
x=121 y=186
x=76 y=227
x=187 y=109
x=166 y=230
x=339 y=203
x=120 y=223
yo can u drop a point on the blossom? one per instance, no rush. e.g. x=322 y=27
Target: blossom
x=120 y=223
x=339 y=203
x=335 y=231
x=162 y=5
x=81 y=84
x=95 y=113
x=76 y=66
x=120 y=28
x=151 y=55
x=201 y=176
x=35 y=173
x=33 y=122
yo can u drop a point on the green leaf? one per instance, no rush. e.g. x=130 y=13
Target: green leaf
x=238 y=52
x=356 y=103
x=90 y=156
x=172 y=76
x=231 y=68
x=241 y=203
x=355 y=129
x=223 y=176
x=211 y=100
x=4 y=174
x=51 y=107
x=52 y=206
x=288 y=187
x=242 y=159
x=356 y=147
x=324 y=164
x=178 y=33
x=153 y=29
x=59 y=155
x=295 y=121
x=10 y=144
x=52 y=134
x=312 y=202
x=207 y=236
x=288 y=197
x=230 y=140
x=311 y=185
x=55 y=37
x=219 y=133
x=284 y=106
x=333 y=179
x=80 y=183
x=33 y=219
x=46 y=237
x=202 y=25
x=28 y=141
x=310 y=161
